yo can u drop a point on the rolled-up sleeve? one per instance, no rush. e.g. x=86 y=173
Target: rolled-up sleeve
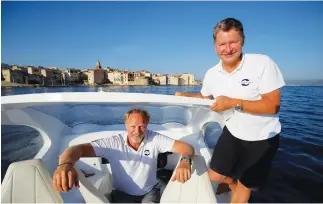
x=164 y=143
x=103 y=146
x=205 y=90
x=271 y=79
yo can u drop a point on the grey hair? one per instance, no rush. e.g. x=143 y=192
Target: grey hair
x=142 y=112
x=228 y=24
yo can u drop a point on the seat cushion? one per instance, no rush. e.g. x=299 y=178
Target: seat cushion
x=196 y=190
x=28 y=182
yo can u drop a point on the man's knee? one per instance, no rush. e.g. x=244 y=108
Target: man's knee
x=241 y=194
x=242 y=188
x=214 y=176
x=152 y=196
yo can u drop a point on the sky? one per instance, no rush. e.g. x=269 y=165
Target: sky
x=161 y=37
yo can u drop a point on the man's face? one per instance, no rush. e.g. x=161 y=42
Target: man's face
x=228 y=46
x=136 y=127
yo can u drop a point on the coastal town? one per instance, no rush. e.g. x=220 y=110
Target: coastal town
x=32 y=76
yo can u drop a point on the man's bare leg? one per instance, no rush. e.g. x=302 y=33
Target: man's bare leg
x=226 y=183
x=241 y=194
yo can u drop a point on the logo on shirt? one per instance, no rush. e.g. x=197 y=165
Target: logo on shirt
x=146 y=152
x=245 y=82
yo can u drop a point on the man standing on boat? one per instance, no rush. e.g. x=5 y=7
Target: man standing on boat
x=133 y=160
x=249 y=85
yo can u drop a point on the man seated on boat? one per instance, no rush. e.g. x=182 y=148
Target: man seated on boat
x=133 y=159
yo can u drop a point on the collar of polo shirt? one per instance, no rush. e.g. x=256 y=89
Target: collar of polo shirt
x=220 y=68
x=125 y=138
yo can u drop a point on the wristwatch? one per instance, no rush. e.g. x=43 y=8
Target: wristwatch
x=187 y=158
x=239 y=106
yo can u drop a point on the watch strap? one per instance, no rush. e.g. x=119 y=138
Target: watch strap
x=239 y=105
x=187 y=158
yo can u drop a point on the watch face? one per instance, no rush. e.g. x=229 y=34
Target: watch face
x=186 y=158
x=238 y=107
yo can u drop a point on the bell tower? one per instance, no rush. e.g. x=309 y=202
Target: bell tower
x=98 y=65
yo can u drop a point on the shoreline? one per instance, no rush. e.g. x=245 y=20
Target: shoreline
x=7 y=85
x=16 y=85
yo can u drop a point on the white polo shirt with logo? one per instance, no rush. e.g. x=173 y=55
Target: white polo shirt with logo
x=133 y=172
x=256 y=74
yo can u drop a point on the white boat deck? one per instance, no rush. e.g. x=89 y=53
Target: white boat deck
x=65 y=119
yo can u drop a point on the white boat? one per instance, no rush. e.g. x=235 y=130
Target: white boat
x=65 y=119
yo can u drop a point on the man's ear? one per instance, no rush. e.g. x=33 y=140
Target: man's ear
x=214 y=47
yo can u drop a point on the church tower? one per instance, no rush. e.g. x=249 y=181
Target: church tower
x=98 y=65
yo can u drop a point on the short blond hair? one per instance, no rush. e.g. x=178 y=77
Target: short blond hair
x=228 y=24
x=142 y=112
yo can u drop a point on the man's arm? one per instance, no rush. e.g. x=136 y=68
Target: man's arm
x=74 y=153
x=183 y=148
x=268 y=104
x=183 y=171
x=189 y=94
x=65 y=175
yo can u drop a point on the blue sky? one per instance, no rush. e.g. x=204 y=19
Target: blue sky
x=162 y=37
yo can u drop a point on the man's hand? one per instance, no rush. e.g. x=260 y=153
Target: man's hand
x=178 y=93
x=222 y=103
x=65 y=177
x=183 y=172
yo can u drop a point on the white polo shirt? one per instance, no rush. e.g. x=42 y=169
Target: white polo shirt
x=133 y=172
x=255 y=75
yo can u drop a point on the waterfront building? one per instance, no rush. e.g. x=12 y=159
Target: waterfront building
x=141 y=81
x=187 y=79
x=47 y=73
x=96 y=76
x=143 y=74
x=121 y=77
x=173 y=80
x=71 y=76
x=14 y=76
x=34 y=70
x=160 y=79
x=36 y=79
x=147 y=74
x=24 y=69
x=53 y=75
x=118 y=77
x=139 y=74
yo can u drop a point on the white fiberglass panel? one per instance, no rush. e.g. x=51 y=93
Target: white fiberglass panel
x=109 y=114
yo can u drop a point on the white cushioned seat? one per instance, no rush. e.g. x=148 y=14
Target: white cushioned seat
x=28 y=182
x=196 y=190
x=101 y=180
x=89 y=192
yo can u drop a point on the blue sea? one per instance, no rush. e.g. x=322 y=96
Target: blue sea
x=297 y=171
